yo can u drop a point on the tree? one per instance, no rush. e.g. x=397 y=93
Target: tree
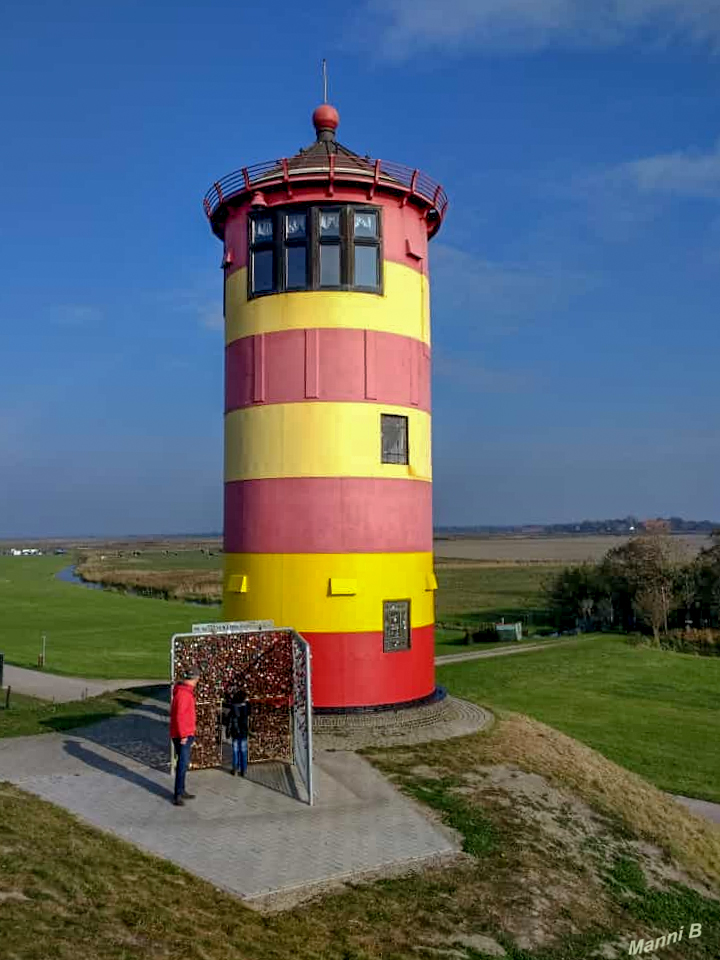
x=706 y=579
x=572 y=594
x=644 y=565
x=653 y=605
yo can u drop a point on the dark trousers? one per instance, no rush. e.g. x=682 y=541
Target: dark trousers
x=240 y=754
x=182 y=754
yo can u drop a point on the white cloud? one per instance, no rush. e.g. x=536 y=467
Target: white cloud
x=491 y=297
x=684 y=173
x=413 y=26
x=200 y=300
x=210 y=317
x=622 y=200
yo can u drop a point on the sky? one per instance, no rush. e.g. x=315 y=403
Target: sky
x=575 y=280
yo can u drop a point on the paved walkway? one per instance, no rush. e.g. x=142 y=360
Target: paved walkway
x=504 y=651
x=252 y=837
x=63 y=689
x=703 y=808
x=53 y=686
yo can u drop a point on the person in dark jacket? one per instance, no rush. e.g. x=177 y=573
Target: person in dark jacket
x=236 y=728
x=182 y=731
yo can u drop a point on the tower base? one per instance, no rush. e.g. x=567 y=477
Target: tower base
x=438 y=719
x=438 y=694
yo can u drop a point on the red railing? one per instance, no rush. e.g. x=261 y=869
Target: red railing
x=407 y=181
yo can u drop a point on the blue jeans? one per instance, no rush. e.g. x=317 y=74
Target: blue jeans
x=240 y=754
x=182 y=753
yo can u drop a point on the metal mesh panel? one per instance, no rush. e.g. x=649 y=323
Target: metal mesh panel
x=273 y=667
x=302 y=712
x=269 y=730
x=207 y=748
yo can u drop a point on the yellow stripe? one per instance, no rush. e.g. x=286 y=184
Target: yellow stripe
x=294 y=589
x=314 y=439
x=403 y=308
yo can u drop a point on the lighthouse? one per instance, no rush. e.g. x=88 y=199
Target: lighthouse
x=328 y=481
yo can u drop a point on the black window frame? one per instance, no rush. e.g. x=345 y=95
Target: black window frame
x=258 y=246
x=384 y=418
x=346 y=241
x=394 y=644
x=286 y=244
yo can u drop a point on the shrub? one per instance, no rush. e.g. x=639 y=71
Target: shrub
x=485 y=633
x=704 y=643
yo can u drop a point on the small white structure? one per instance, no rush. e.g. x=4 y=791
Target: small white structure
x=509 y=631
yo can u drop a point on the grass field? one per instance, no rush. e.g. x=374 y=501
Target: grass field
x=568 y=549
x=653 y=712
x=468 y=592
x=162 y=558
x=106 y=634
x=26 y=716
x=90 y=633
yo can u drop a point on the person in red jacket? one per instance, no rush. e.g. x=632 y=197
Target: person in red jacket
x=182 y=731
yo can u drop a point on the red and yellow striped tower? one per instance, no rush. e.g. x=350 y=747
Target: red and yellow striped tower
x=328 y=487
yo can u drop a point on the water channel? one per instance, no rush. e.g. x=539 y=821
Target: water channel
x=69 y=575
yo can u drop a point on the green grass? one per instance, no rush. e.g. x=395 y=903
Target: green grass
x=162 y=559
x=669 y=910
x=655 y=713
x=28 y=716
x=107 y=634
x=90 y=633
x=468 y=593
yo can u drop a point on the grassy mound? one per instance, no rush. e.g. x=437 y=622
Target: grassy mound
x=567 y=857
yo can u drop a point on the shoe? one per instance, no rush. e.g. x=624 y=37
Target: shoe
x=178 y=801
x=188 y=796
x=234 y=773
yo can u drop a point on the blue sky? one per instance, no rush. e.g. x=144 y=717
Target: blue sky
x=576 y=279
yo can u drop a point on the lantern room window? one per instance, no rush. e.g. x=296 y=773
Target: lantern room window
x=315 y=247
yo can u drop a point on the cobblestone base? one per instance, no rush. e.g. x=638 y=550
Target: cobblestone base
x=441 y=720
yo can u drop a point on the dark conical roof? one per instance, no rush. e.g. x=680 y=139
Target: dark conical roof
x=317 y=155
x=329 y=162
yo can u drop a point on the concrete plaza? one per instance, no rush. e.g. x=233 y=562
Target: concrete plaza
x=253 y=837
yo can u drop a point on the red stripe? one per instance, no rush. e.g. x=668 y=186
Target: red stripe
x=328 y=515
x=404 y=232
x=350 y=365
x=351 y=669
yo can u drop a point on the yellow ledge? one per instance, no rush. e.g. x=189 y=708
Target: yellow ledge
x=298 y=589
x=339 y=587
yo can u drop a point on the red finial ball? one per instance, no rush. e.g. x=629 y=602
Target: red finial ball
x=326 y=117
